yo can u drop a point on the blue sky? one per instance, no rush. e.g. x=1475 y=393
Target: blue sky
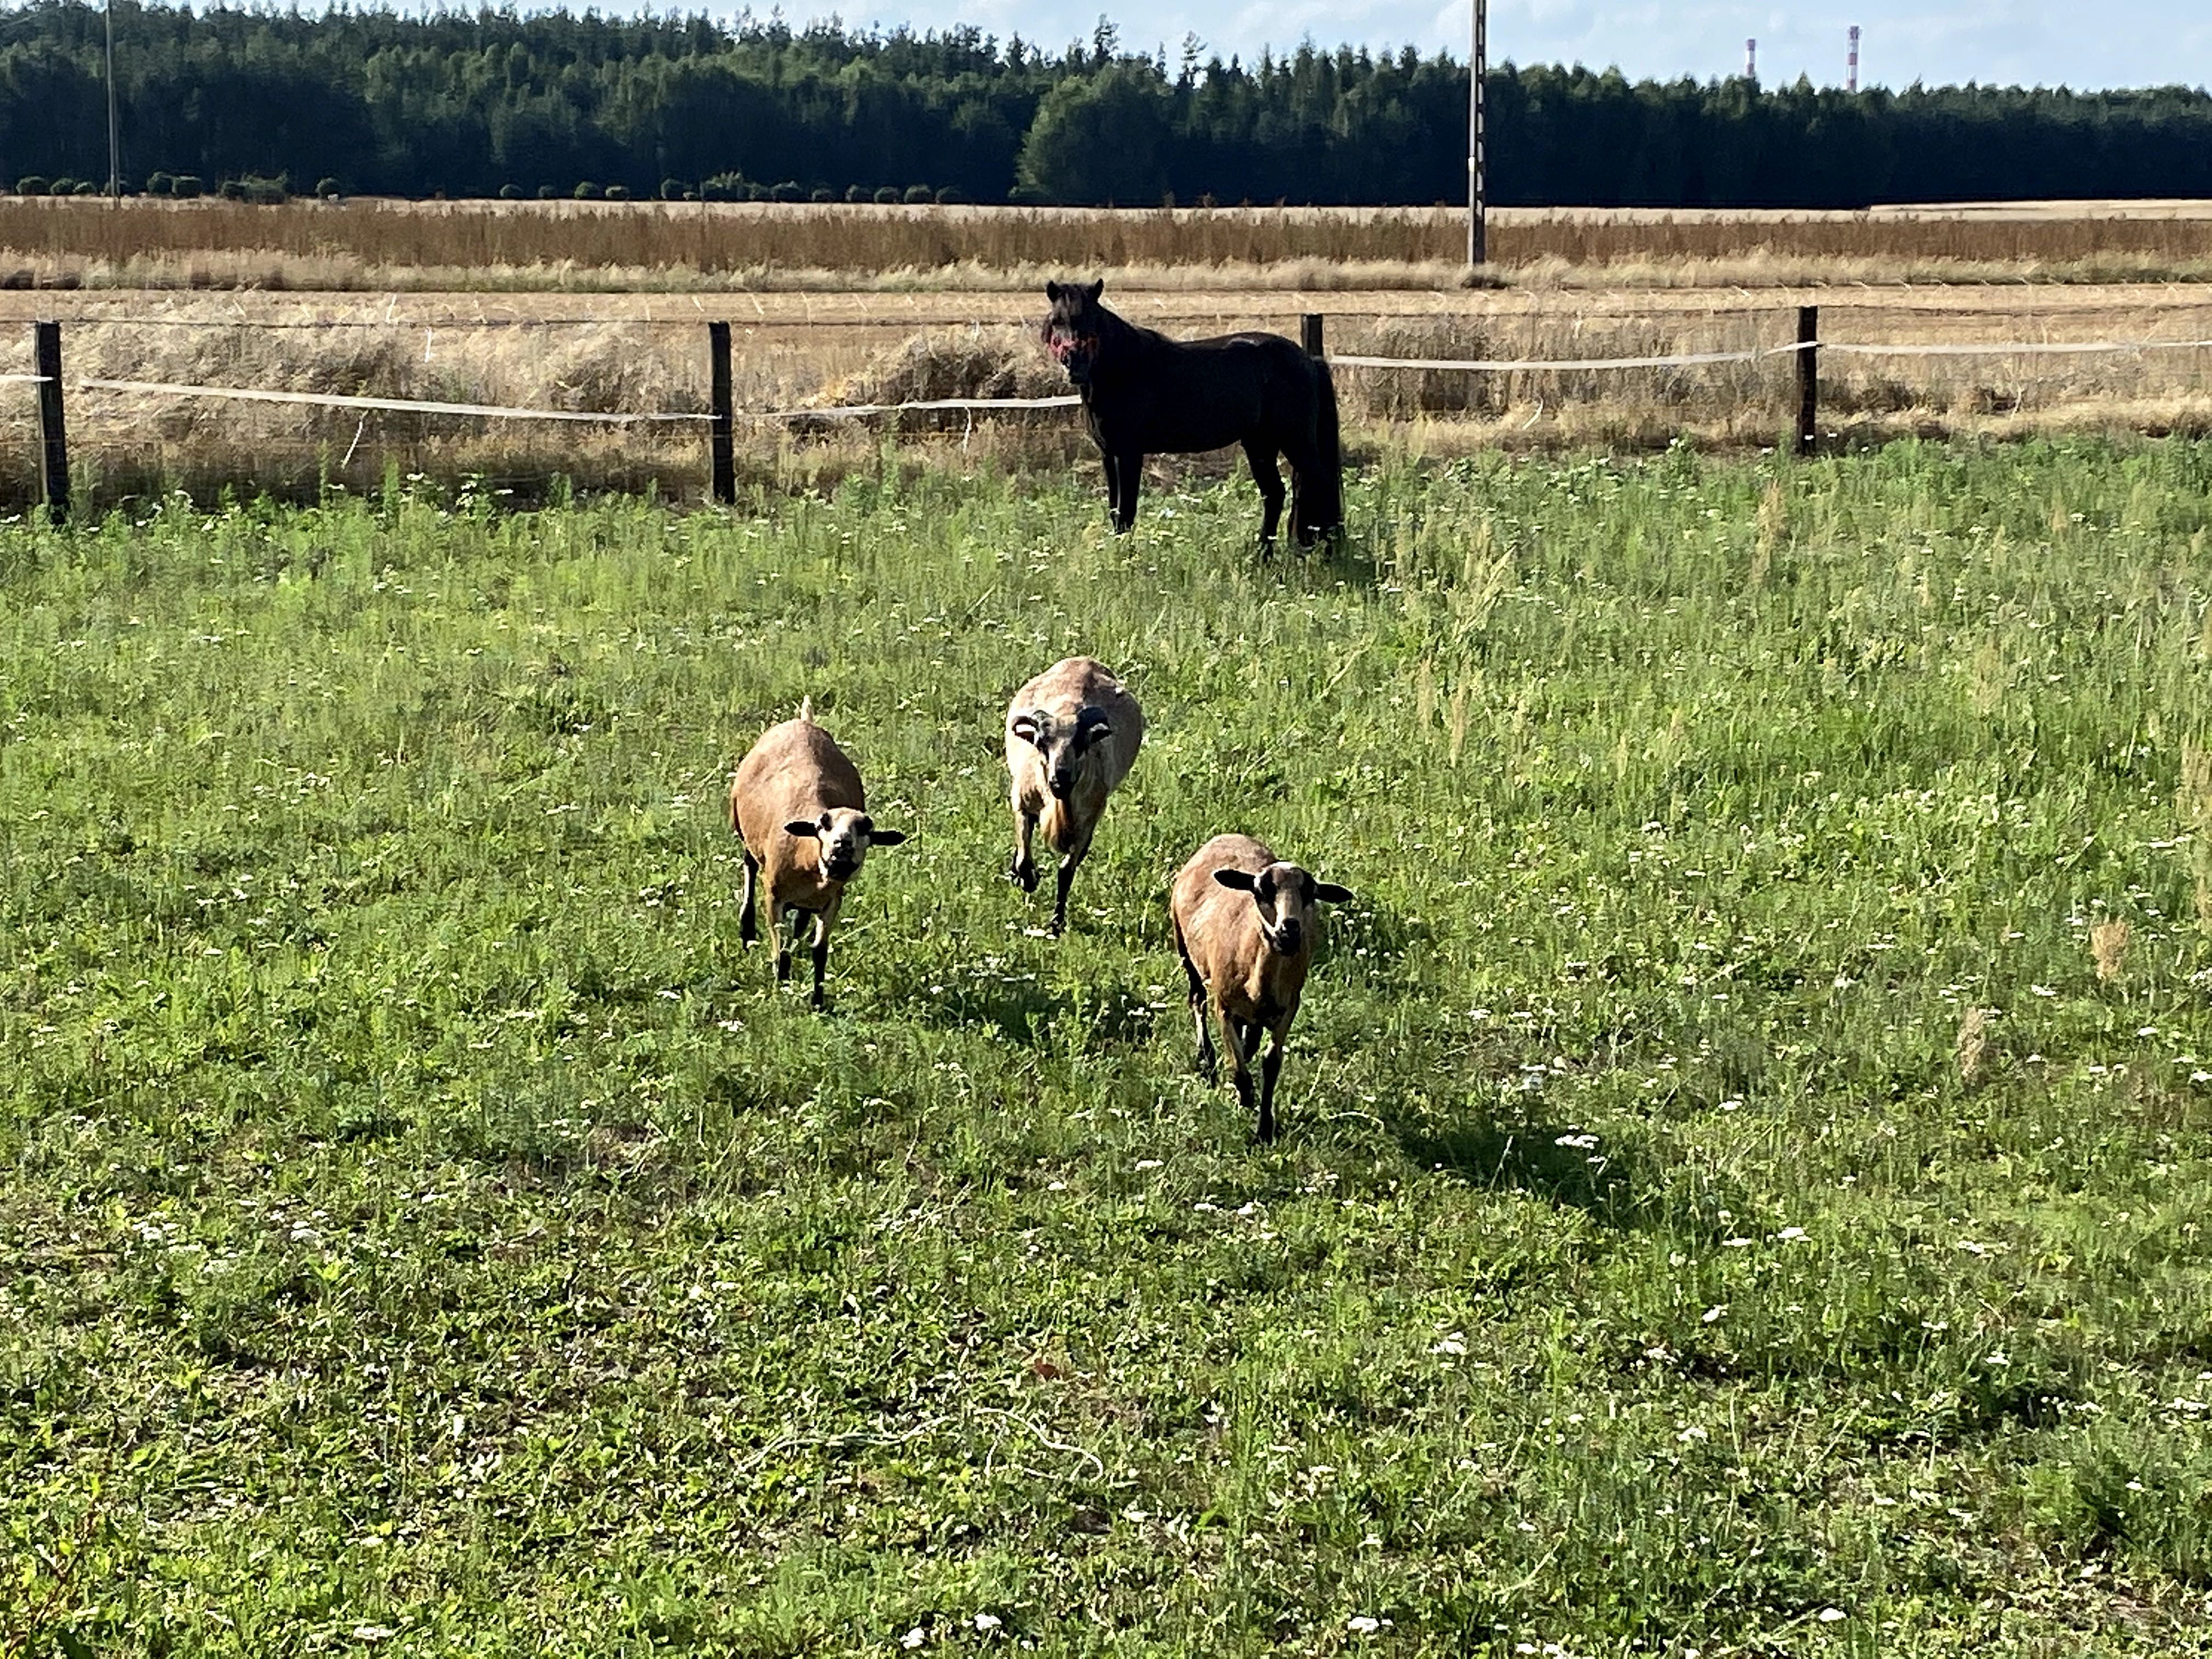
x=2118 y=43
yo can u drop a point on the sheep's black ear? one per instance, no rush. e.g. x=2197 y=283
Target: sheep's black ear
x=1239 y=879
x=1333 y=894
x=1095 y=290
x=886 y=837
x=802 y=827
x=1093 y=723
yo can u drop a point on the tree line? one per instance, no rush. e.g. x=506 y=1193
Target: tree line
x=496 y=102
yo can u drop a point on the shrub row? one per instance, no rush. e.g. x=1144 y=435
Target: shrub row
x=250 y=188
x=722 y=187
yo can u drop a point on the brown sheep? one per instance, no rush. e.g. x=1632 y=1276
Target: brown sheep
x=798 y=804
x=1071 y=734
x=1244 y=927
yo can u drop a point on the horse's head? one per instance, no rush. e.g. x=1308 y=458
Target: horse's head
x=1071 y=326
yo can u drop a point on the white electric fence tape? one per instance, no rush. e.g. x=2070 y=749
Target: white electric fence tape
x=332 y=400
x=856 y=411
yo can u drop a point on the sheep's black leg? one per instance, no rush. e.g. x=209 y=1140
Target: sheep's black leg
x=748 y=926
x=1068 y=864
x=1023 y=871
x=1270 y=1069
x=821 y=955
x=1265 y=474
x=1239 y=1057
x=778 y=916
x=1198 y=1014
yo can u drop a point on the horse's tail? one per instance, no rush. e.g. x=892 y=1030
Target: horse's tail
x=1324 y=492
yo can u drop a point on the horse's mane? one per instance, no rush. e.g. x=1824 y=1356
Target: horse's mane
x=1112 y=323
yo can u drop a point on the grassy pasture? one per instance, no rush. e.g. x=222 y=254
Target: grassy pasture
x=1744 y=1187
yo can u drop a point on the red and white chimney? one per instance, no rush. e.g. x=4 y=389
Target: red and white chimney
x=1851 y=62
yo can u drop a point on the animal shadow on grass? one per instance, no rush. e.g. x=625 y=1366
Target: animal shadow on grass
x=1347 y=555
x=1550 y=1161
x=1037 y=1016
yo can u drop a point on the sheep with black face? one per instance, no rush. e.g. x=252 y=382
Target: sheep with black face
x=1244 y=924
x=1072 y=735
x=798 y=804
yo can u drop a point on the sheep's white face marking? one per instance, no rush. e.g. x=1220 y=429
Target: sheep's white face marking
x=1285 y=897
x=843 y=837
x=1062 y=743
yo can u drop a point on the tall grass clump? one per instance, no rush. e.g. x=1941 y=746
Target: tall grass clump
x=1723 y=1205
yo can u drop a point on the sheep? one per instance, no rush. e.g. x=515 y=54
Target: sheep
x=1244 y=925
x=798 y=806
x=1071 y=734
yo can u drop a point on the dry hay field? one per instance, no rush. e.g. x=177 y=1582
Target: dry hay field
x=529 y=309
x=378 y=243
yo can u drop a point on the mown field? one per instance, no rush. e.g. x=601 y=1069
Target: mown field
x=489 y=247
x=1743 y=1188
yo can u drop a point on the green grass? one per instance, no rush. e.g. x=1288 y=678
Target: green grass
x=424 y=1230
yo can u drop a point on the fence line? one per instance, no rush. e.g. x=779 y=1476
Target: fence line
x=848 y=411
x=334 y=400
x=2013 y=347
x=1684 y=360
x=723 y=415
x=1535 y=310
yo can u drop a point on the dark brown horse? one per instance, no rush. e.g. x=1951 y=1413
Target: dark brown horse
x=1143 y=393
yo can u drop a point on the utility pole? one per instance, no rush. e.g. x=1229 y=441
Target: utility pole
x=115 y=143
x=1478 y=233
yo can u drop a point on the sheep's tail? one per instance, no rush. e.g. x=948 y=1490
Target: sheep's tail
x=806 y=708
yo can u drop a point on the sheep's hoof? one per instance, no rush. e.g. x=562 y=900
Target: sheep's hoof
x=1024 y=876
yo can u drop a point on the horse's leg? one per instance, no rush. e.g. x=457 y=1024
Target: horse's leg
x=1300 y=456
x=1113 y=486
x=1270 y=480
x=1131 y=469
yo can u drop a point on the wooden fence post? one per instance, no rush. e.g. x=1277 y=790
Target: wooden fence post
x=1808 y=377
x=719 y=429
x=53 y=435
x=1311 y=333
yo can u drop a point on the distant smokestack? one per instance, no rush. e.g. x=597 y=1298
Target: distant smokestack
x=1751 y=60
x=1851 y=62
